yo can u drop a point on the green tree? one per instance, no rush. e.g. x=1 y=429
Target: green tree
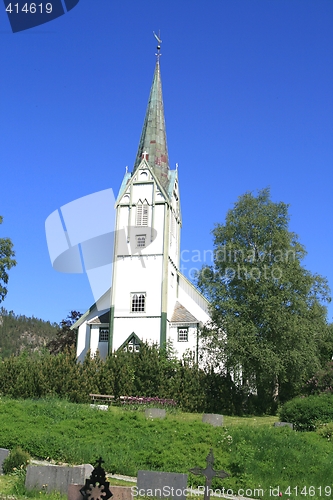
x=65 y=337
x=267 y=310
x=6 y=262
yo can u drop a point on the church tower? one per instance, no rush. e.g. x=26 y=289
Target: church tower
x=150 y=300
x=147 y=246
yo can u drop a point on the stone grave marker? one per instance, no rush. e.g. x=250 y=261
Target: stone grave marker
x=155 y=413
x=55 y=477
x=213 y=419
x=283 y=424
x=3 y=454
x=162 y=484
x=118 y=492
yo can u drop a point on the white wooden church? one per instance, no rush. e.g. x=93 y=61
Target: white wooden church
x=149 y=300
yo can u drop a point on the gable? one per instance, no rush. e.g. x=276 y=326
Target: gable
x=103 y=319
x=132 y=343
x=143 y=175
x=182 y=315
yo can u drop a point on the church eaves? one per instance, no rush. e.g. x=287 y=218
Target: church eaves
x=153 y=145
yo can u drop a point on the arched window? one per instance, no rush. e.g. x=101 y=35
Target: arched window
x=138 y=302
x=142 y=214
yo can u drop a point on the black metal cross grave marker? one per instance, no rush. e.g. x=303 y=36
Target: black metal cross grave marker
x=96 y=487
x=209 y=473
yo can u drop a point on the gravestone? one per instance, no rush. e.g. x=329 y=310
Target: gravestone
x=155 y=413
x=118 y=492
x=55 y=477
x=100 y=407
x=213 y=419
x=162 y=484
x=3 y=455
x=283 y=424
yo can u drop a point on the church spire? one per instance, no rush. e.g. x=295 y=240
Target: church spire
x=153 y=145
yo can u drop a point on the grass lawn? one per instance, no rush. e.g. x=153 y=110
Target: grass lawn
x=253 y=452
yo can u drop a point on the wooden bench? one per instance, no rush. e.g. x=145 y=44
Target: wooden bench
x=101 y=398
x=105 y=398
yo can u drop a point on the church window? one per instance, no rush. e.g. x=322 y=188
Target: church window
x=182 y=334
x=138 y=302
x=140 y=241
x=142 y=214
x=133 y=345
x=103 y=335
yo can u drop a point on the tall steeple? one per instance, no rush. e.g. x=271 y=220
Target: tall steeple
x=153 y=144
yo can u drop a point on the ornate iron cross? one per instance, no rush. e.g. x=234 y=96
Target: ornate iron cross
x=209 y=473
x=97 y=487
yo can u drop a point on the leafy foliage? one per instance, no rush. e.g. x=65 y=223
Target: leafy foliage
x=65 y=337
x=308 y=413
x=17 y=459
x=321 y=382
x=268 y=326
x=121 y=374
x=6 y=262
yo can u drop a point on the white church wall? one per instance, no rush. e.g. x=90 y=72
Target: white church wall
x=155 y=223
x=147 y=329
x=183 y=347
x=95 y=345
x=83 y=336
x=172 y=289
x=94 y=334
x=103 y=349
x=142 y=192
x=83 y=341
x=173 y=240
x=138 y=274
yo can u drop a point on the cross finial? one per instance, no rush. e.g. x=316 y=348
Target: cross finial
x=145 y=155
x=159 y=41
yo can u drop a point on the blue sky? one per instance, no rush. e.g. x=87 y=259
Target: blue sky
x=248 y=96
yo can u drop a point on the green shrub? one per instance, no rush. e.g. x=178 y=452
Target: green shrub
x=17 y=459
x=308 y=413
x=152 y=372
x=326 y=431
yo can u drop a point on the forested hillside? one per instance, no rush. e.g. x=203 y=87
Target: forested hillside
x=18 y=333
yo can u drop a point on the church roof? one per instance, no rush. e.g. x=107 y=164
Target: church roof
x=153 y=144
x=124 y=183
x=103 y=319
x=172 y=180
x=182 y=315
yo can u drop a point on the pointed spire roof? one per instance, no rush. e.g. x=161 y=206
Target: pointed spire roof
x=153 y=144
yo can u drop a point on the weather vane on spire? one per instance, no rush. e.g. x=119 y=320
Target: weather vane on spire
x=159 y=44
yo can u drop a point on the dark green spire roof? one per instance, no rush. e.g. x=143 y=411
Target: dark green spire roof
x=153 y=137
